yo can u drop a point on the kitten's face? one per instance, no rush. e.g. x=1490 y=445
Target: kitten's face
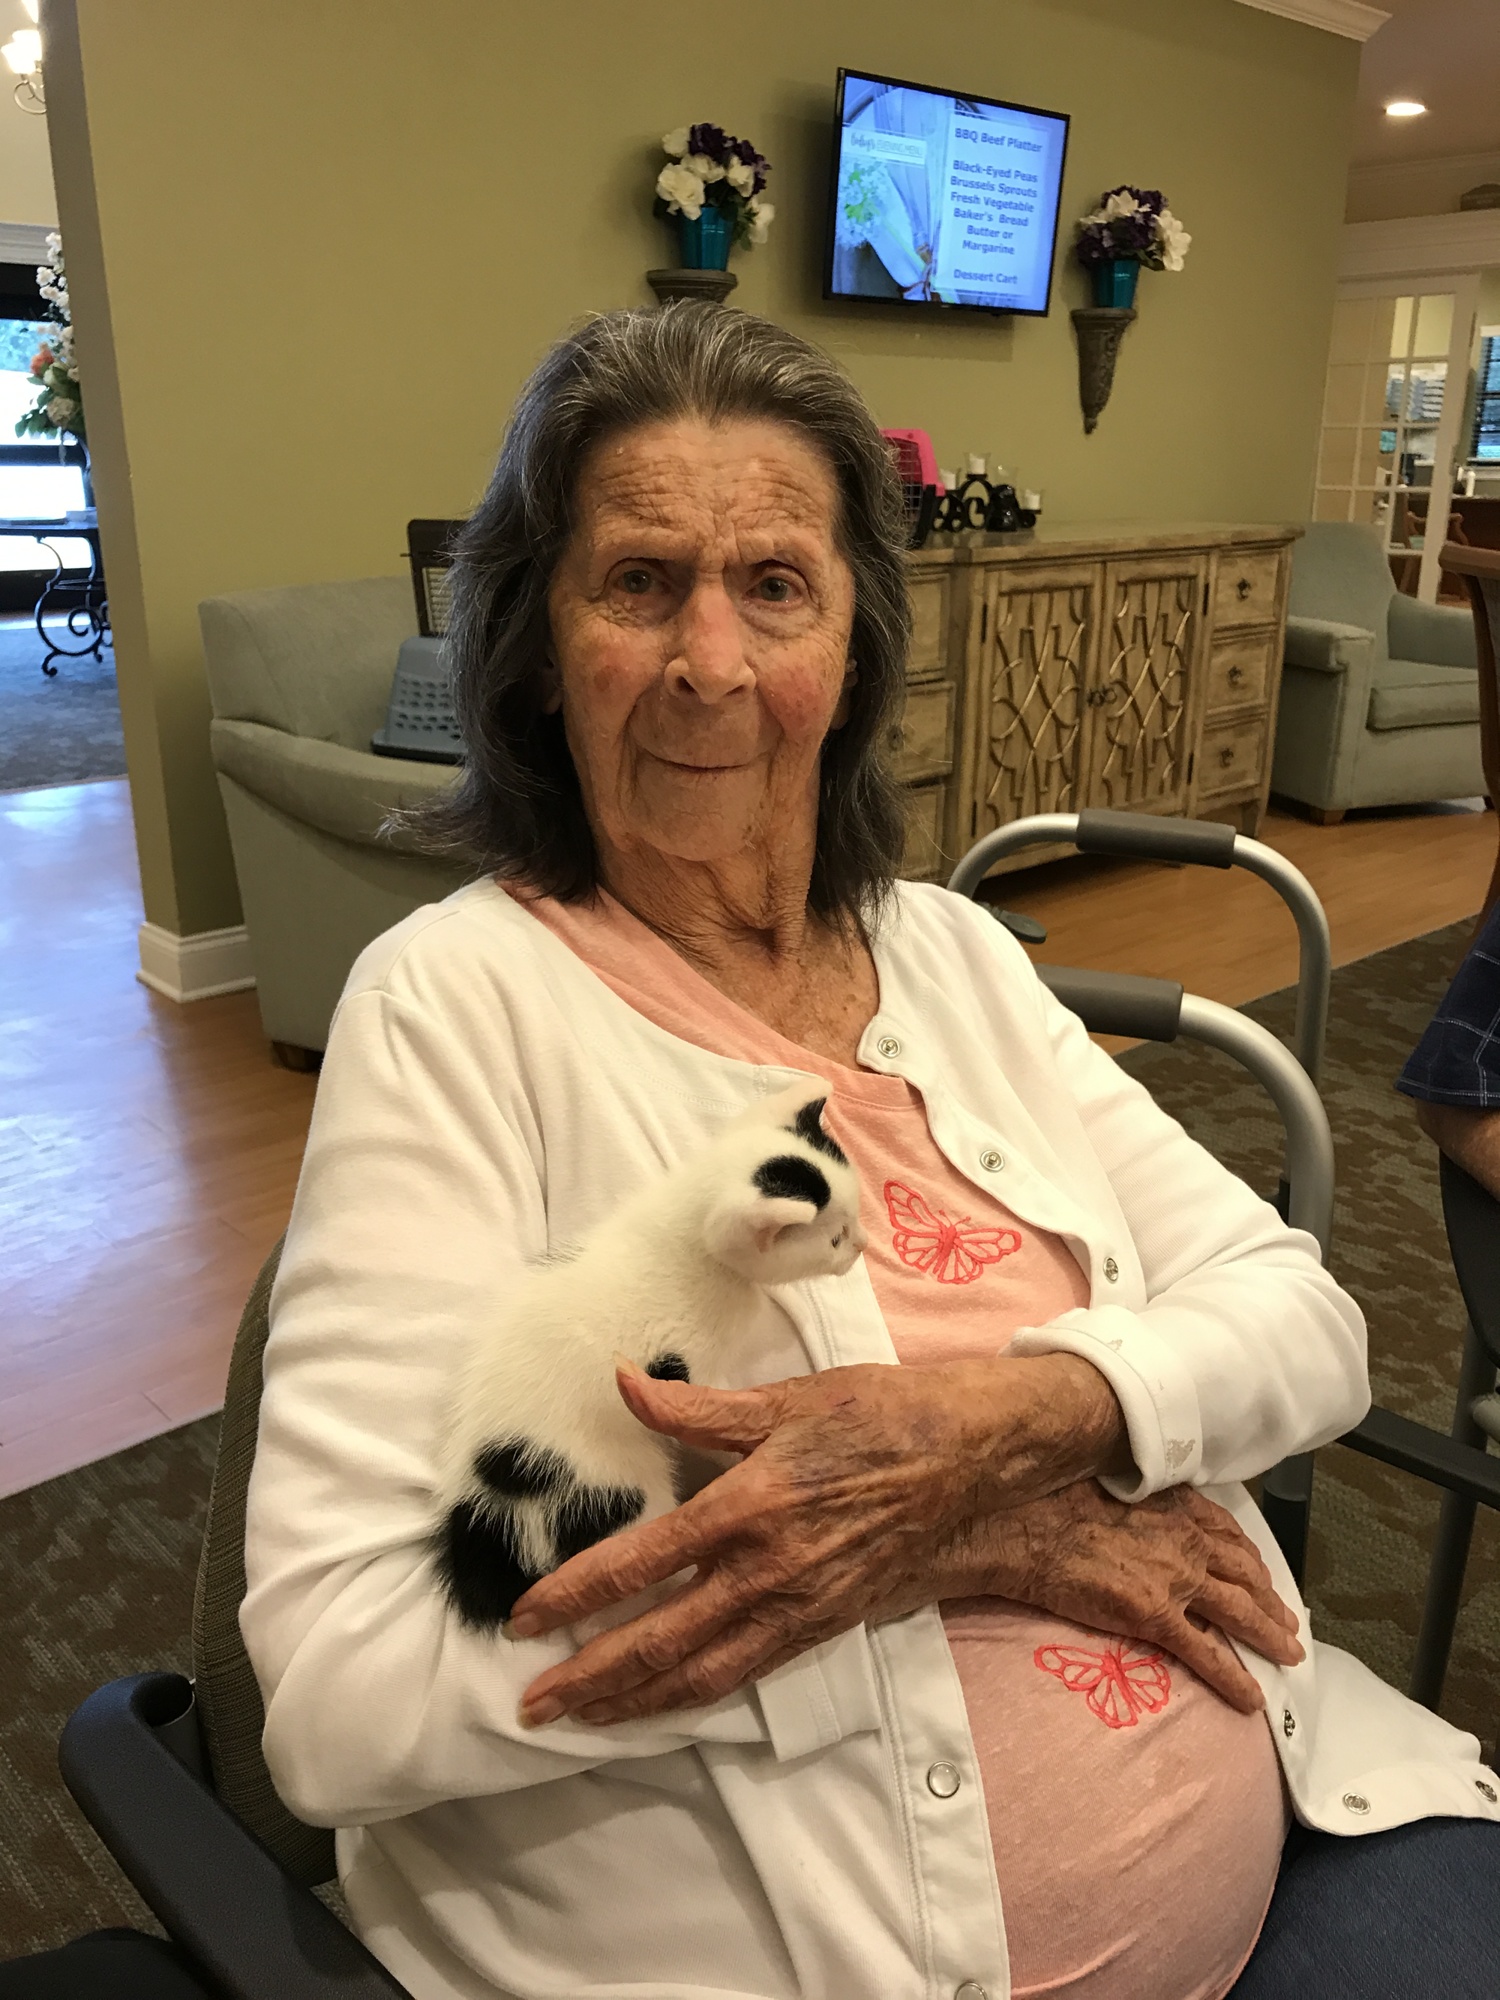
x=788 y=1206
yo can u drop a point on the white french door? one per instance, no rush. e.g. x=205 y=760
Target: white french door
x=1398 y=371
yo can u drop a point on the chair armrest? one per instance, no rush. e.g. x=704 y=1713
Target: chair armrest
x=1442 y=1461
x=340 y=791
x=218 y=1893
x=1326 y=647
x=1440 y=635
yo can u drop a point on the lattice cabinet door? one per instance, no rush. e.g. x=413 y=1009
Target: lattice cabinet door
x=1141 y=702
x=1025 y=724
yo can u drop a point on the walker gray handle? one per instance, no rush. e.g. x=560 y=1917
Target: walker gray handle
x=1203 y=842
x=1148 y=837
x=1117 y=1003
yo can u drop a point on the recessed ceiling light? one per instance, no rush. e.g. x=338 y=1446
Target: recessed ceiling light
x=1405 y=107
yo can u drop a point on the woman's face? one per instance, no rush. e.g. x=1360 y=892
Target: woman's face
x=700 y=631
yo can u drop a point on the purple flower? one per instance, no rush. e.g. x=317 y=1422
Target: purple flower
x=712 y=140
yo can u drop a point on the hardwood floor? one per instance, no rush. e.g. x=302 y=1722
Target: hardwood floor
x=148 y=1152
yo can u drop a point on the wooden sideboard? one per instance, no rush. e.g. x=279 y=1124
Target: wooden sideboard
x=1135 y=667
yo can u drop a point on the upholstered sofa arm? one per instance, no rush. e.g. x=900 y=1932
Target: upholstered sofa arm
x=1324 y=646
x=343 y=792
x=1438 y=634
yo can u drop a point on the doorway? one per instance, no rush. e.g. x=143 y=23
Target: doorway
x=1393 y=409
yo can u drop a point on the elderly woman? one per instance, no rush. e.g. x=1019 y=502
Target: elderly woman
x=987 y=1678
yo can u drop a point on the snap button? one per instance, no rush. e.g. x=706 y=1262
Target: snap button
x=943 y=1780
x=1356 y=1802
x=1488 y=1791
x=991 y=1161
x=971 y=1990
x=1288 y=1723
x=1111 y=1269
x=888 y=1045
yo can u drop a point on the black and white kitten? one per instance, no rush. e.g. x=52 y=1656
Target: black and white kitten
x=544 y=1458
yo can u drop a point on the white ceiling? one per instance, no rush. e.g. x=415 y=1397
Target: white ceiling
x=1444 y=53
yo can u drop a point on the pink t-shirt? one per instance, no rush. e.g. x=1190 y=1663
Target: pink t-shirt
x=1136 y=1819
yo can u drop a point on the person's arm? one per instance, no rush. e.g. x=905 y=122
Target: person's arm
x=1245 y=1349
x=1469 y=1136
x=788 y=1556
x=420 y=1202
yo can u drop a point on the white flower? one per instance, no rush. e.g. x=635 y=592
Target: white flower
x=61 y=410
x=675 y=142
x=1174 y=240
x=740 y=177
x=705 y=168
x=681 y=189
x=1118 y=204
x=762 y=215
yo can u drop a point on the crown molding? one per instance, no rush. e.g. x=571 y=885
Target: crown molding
x=1487 y=162
x=24 y=242
x=1420 y=246
x=1351 y=18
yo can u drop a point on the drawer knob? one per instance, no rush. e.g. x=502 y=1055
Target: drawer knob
x=1242 y=588
x=1235 y=676
x=1226 y=756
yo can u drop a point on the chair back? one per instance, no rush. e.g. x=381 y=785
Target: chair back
x=1472 y=1216
x=230 y=1711
x=1339 y=571
x=313 y=659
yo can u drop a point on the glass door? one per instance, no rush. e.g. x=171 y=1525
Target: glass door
x=1389 y=437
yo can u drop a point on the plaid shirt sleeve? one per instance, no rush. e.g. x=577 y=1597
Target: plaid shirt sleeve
x=1457 y=1060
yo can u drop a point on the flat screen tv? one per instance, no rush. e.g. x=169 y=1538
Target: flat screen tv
x=942 y=200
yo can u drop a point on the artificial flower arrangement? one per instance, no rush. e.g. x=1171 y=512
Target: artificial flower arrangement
x=707 y=167
x=54 y=371
x=1133 y=222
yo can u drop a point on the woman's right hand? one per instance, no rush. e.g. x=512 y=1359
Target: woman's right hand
x=1174 y=1570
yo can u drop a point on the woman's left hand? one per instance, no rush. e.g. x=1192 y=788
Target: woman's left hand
x=856 y=1486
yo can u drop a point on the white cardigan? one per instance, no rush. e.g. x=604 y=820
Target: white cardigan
x=485 y=1096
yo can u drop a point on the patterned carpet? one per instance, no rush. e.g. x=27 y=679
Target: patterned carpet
x=55 y=731
x=96 y=1569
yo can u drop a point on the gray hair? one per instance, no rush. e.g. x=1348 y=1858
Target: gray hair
x=517 y=808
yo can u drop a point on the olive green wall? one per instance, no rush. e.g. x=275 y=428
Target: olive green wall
x=332 y=235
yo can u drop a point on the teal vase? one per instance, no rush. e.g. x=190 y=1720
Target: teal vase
x=705 y=243
x=1114 y=281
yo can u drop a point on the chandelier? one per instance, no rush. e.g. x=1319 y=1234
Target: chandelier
x=23 y=54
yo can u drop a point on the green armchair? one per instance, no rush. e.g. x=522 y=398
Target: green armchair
x=299 y=680
x=1379 y=694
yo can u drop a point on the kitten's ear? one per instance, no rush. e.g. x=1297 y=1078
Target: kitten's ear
x=753 y=1222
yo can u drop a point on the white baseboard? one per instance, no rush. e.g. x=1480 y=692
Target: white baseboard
x=197 y=967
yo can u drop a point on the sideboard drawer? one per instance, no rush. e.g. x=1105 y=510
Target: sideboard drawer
x=921 y=743
x=930 y=599
x=926 y=810
x=1239 y=672
x=1231 y=757
x=1246 y=590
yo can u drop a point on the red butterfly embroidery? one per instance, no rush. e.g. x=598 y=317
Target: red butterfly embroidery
x=927 y=1239
x=1119 y=1682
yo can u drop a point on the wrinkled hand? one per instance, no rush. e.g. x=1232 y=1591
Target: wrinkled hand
x=857 y=1486
x=1166 y=1570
